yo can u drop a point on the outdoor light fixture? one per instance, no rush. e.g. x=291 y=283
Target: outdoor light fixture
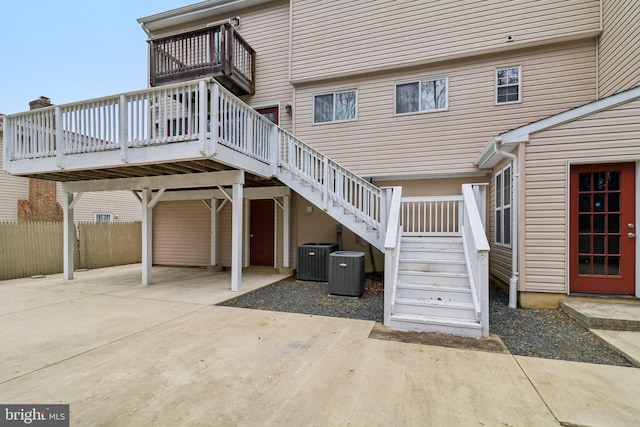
x=287 y=108
x=235 y=21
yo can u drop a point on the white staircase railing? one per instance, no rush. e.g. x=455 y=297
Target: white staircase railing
x=476 y=249
x=392 y=249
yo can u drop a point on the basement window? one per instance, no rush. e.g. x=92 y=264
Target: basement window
x=102 y=217
x=503 y=207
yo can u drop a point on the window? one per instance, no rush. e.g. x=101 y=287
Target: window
x=102 y=217
x=333 y=107
x=423 y=95
x=503 y=207
x=508 y=82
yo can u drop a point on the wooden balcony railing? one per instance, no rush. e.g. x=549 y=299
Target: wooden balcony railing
x=218 y=52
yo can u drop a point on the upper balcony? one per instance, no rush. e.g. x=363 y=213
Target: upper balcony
x=217 y=51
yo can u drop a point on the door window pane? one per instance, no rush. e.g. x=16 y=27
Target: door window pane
x=598 y=223
x=614 y=266
x=614 y=181
x=585 y=223
x=614 y=245
x=598 y=202
x=598 y=244
x=585 y=182
x=614 y=202
x=585 y=244
x=598 y=265
x=614 y=223
x=599 y=181
x=584 y=265
x=585 y=203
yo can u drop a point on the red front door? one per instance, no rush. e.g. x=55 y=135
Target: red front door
x=270 y=113
x=261 y=231
x=602 y=230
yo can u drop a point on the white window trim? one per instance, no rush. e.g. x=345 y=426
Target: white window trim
x=503 y=206
x=395 y=96
x=103 y=214
x=313 y=107
x=495 y=84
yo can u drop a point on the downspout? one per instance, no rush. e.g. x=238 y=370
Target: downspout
x=513 y=281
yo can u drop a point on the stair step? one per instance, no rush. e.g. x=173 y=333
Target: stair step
x=447 y=309
x=421 y=264
x=433 y=278
x=408 y=322
x=434 y=292
x=431 y=242
x=453 y=254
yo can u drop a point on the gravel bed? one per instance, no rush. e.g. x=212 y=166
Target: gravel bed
x=549 y=334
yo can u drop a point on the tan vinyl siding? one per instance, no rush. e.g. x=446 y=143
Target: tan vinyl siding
x=346 y=37
x=379 y=143
x=123 y=205
x=619 y=46
x=181 y=233
x=13 y=188
x=266 y=29
x=499 y=256
x=608 y=136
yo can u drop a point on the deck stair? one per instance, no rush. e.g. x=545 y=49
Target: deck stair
x=432 y=289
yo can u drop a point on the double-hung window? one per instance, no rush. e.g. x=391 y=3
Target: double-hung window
x=503 y=207
x=508 y=85
x=334 y=107
x=422 y=95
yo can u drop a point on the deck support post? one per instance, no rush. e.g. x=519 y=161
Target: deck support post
x=236 y=237
x=147 y=244
x=214 y=232
x=69 y=237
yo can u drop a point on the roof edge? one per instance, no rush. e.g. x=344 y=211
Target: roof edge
x=507 y=141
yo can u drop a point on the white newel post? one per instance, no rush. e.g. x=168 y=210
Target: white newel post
x=59 y=138
x=69 y=239
x=147 y=214
x=236 y=238
x=123 y=137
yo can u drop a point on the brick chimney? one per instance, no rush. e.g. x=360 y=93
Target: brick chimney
x=42 y=204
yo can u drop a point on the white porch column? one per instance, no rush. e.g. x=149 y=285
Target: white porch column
x=214 y=232
x=69 y=239
x=286 y=229
x=147 y=213
x=236 y=238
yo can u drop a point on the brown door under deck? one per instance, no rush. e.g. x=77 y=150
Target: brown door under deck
x=261 y=231
x=602 y=231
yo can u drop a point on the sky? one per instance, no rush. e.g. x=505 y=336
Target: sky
x=73 y=50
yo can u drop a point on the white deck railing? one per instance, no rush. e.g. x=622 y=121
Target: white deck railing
x=200 y=111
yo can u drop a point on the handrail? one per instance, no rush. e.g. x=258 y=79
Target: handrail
x=476 y=249
x=392 y=248
x=340 y=185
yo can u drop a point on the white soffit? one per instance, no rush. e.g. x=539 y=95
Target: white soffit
x=192 y=12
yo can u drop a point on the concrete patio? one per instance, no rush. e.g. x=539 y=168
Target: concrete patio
x=123 y=354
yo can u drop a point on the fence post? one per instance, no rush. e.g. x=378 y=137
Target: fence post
x=124 y=129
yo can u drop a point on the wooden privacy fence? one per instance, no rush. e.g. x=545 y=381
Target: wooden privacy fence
x=35 y=248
